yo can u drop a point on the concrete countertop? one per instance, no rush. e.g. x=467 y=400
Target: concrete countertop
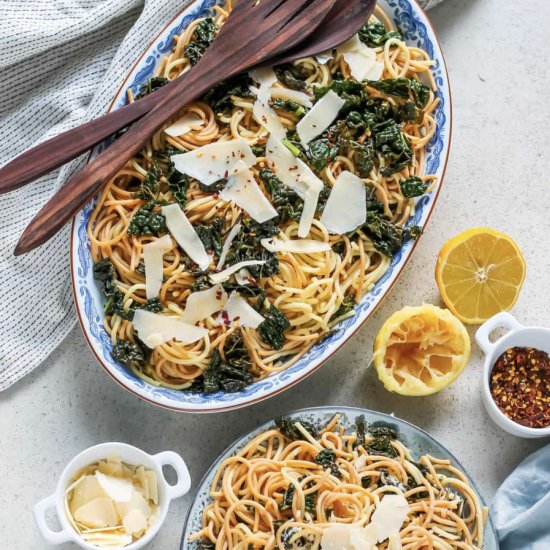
x=497 y=55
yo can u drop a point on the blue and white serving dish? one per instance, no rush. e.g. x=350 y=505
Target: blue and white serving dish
x=416 y=28
x=416 y=440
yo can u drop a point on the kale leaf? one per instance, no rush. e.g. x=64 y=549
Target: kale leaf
x=380 y=444
x=258 y=150
x=390 y=142
x=202 y=38
x=361 y=429
x=220 y=97
x=286 y=201
x=133 y=355
x=288 y=497
x=375 y=35
x=321 y=152
x=402 y=88
x=151 y=85
x=413 y=187
x=412 y=231
x=363 y=157
x=290 y=106
x=150 y=185
x=147 y=222
x=211 y=235
x=292 y=76
x=273 y=327
x=327 y=460
x=287 y=426
x=178 y=183
x=349 y=90
x=347 y=305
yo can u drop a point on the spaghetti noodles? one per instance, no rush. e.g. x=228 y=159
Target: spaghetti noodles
x=290 y=484
x=304 y=295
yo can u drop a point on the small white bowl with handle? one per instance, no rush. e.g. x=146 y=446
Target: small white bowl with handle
x=518 y=335
x=130 y=455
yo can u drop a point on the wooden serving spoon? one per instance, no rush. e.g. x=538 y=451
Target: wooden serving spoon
x=272 y=28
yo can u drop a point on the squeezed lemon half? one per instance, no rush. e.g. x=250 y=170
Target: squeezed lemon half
x=479 y=273
x=421 y=350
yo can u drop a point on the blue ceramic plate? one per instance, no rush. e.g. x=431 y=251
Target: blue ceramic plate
x=418 y=441
x=417 y=30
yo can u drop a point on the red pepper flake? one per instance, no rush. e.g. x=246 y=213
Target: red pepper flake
x=225 y=317
x=218 y=295
x=520 y=386
x=293 y=168
x=226 y=174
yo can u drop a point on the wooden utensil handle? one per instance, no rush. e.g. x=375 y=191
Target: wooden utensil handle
x=60 y=149
x=86 y=183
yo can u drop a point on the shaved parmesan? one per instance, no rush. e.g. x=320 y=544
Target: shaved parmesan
x=390 y=515
x=345 y=209
x=134 y=521
x=321 y=116
x=154 y=329
x=108 y=540
x=243 y=190
x=87 y=489
x=152 y=258
x=239 y=310
x=265 y=116
x=189 y=121
x=243 y=277
x=297 y=246
x=96 y=513
x=186 y=236
x=291 y=95
x=361 y=59
x=201 y=305
x=214 y=161
x=265 y=76
x=308 y=212
x=324 y=57
x=118 y=489
x=346 y=537
x=227 y=244
x=152 y=486
x=224 y=275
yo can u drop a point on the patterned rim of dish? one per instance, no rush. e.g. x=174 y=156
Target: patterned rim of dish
x=417 y=29
x=412 y=438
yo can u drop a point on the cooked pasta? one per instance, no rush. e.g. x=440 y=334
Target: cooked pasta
x=380 y=135
x=291 y=485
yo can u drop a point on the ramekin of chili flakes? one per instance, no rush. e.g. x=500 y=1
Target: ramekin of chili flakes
x=520 y=386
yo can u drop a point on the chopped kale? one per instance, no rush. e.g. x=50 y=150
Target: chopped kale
x=220 y=97
x=290 y=106
x=387 y=479
x=380 y=444
x=151 y=85
x=288 y=497
x=294 y=145
x=202 y=38
x=363 y=157
x=402 y=88
x=258 y=150
x=133 y=355
x=347 y=305
x=321 y=152
x=286 y=201
x=202 y=282
x=287 y=426
x=361 y=429
x=213 y=188
x=412 y=231
x=207 y=545
x=408 y=112
x=272 y=328
x=327 y=459
x=211 y=235
x=386 y=236
x=104 y=272
x=413 y=187
x=392 y=145
x=147 y=222
x=178 y=183
x=150 y=185
x=375 y=35
x=292 y=76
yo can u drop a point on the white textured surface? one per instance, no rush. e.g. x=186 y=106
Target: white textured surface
x=497 y=176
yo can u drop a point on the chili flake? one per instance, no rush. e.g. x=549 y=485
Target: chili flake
x=520 y=386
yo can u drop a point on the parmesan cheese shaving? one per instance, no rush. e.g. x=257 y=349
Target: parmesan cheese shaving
x=296 y=246
x=243 y=190
x=152 y=258
x=291 y=95
x=346 y=208
x=97 y=513
x=200 y=305
x=189 y=121
x=390 y=515
x=361 y=59
x=243 y=277
x=224 y=275
x=118 y=489
x=265 y=116
x=239 y=311
x=324 y=57
x=186 y=236
x=227 y=244
x=265 y=76
x=320 y=117
x=155 y=329
x=214 y=161
x=134 y=521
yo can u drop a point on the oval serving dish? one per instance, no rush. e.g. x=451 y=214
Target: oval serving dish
x=418 y=441
x=416 y=28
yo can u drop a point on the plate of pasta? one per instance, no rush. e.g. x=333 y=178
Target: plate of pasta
x=337 y=478
x=255 y=233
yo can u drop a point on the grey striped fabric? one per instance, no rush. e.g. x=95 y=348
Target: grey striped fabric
x=61 y=62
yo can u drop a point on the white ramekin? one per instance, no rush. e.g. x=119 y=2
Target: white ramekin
x=130 y=455
x=517 y=335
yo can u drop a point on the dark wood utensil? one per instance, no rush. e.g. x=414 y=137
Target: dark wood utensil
x=344 y=19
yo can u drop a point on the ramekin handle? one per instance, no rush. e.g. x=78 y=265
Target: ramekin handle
x=53 y=537
x=169 y=458
x=500 y=320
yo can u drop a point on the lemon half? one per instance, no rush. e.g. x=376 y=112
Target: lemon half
x=479 y=273
x=421 y=350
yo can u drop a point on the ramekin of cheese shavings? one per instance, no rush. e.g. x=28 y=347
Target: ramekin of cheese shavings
x=112 y=495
